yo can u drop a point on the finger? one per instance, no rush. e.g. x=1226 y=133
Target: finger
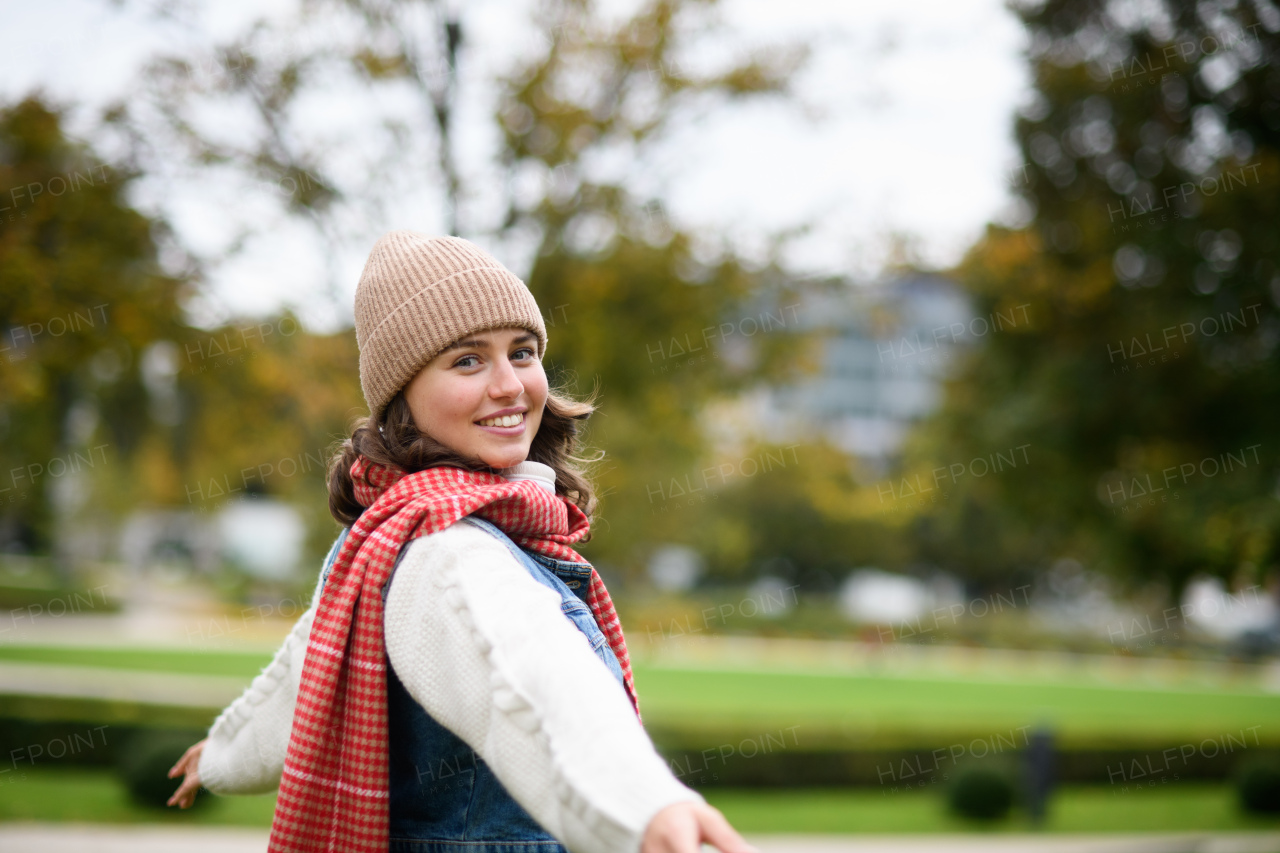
x=684 y=835
x=718 y=832
x=180 y=766
x=673 y=830
x=186 y=793
x=176 y=796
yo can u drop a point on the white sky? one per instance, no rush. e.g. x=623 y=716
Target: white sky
x=904 y=126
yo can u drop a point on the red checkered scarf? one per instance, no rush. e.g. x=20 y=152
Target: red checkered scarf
x=334 y=794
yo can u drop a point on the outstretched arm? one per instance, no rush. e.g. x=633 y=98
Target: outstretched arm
x=488 y=653
x=244 y=752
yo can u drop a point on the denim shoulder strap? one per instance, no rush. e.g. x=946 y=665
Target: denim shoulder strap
x=333 y=555
x=571 y=603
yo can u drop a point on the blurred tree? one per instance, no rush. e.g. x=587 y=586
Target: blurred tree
x=650 y=316
x=794 y=512
x=109 y=398
x=291 y=153
x=83 y=298
x=269 y=401
x=1146 y=381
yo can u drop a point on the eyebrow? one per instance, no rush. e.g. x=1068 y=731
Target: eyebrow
x=477 y=343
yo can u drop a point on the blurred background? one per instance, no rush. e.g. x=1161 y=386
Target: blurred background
x=935 y=345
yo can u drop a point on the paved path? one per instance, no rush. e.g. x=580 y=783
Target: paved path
x=188 y=623
x=1182 y=842
x=90 y=838
x=83 y=682
x=69 y=838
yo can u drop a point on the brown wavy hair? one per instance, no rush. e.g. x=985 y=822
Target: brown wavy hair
x=394 y=440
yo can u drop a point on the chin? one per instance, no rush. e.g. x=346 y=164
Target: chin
x=504 y=461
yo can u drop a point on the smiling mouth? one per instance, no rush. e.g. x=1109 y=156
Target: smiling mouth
x=503 y=421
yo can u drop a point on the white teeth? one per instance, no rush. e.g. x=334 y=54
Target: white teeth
x=504 y=421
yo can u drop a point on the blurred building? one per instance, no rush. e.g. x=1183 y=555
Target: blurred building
x=259 y=536
x=885 y=349
x=180 y=539
x=675 y=568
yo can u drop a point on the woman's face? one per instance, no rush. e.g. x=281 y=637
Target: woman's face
x=483 y=396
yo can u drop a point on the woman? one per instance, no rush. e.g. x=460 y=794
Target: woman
x=460 y=683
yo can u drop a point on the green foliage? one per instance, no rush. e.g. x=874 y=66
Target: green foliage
x=49 y=795
x=628 y=319
x=981 y=793
x=270 y=401
x=253 y=405
x=1105 y=403
x=1146 y=381
x=793 y=512
x=1184 y=807
x=144 y=765
x=642 y=306
x=621 y=289
x=82 y=295
x=1258 y=786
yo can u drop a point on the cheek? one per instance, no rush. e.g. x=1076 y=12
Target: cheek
x=535 y=383
x=538 y=388
x=457 y=404
x=445 y=406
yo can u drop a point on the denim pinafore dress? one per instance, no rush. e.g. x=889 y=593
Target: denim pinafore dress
x=444 y=798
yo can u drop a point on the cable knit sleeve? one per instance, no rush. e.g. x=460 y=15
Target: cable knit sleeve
x=248 y=741
x=487 y=652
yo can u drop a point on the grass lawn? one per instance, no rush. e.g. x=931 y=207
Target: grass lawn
x=852 y=710
x=96 y=796
x=245 y=664
x=883 y=710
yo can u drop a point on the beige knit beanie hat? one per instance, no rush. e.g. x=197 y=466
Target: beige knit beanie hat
x=418 y=294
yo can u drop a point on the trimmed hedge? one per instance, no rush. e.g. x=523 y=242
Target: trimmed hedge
x=1258 y=785
x=981 y=793
x=144 y=762
x=773 y=762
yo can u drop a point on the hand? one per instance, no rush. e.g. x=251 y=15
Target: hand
x=683 y=827
x=188 y=764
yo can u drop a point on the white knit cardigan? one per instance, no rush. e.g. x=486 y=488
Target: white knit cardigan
x=488 y=653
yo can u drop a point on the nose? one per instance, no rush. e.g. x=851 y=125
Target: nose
x=505 y=384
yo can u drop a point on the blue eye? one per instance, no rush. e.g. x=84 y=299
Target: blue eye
x=465 y=358
x=531 y=354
